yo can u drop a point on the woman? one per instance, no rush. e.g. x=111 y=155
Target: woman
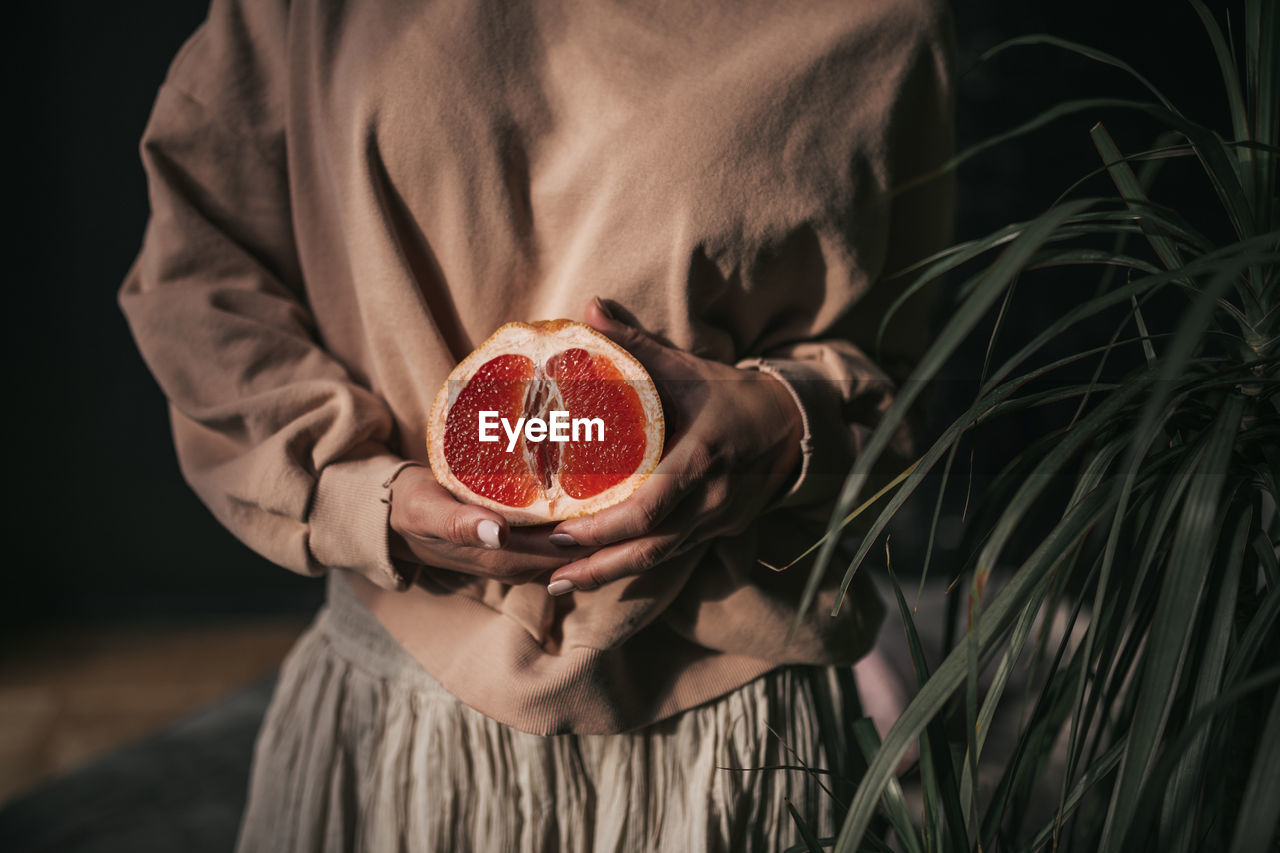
x=347 y=197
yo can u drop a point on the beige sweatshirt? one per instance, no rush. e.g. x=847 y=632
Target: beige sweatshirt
x=348 y=196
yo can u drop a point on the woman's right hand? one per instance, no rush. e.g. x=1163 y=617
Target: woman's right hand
x=431 y=527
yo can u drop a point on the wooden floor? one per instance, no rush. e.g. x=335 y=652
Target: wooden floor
x=67 y=696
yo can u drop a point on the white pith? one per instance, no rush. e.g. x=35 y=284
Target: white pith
x=542 y=382
x=540 y=345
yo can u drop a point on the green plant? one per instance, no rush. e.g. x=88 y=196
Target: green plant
x=1168 y=541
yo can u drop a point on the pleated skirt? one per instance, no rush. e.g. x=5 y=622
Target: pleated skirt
x=362 y=750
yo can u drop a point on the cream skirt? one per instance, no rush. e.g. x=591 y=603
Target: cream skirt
x=363 y=750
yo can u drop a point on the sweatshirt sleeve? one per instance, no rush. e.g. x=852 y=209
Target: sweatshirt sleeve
x=287 y=450
x=840 y=378
x=840 y=395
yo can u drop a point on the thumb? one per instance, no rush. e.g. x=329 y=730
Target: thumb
x=651 y=352
x=421 y=508
x=473 y=526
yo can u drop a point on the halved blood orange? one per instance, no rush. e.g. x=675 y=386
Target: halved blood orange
x=609 y=441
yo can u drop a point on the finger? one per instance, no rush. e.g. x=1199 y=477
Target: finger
x=423 y=515
x=640 y=513
x=658 y=358
x=616 y=562
x=533 y=541
x=494 y=565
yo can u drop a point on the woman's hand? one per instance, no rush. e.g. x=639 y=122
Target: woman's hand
x=429 y=526
x=736 y=444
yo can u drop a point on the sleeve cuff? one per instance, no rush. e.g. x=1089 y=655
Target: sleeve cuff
x=349 y=519
x=824 y=456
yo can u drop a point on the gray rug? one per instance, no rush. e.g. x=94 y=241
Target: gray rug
x=180 y=789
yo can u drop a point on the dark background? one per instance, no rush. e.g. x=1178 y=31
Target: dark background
x=100 y=526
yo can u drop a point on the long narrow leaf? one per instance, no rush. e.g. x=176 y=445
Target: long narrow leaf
x=1098 y=771
x=1222 y=266
x=1254 y=636
x=935 y=760
x=895 y=802
x=963 y=321
x=1109 y=659
x=1167 y=645
x=990 y=405
x=1177 y=747
x=1256 y=825
x=933 y=695
x=979 y=734
x=1083 y=50
x=1230 y=80
x=1131 y=191
x=1190 y=775
x=811 y=842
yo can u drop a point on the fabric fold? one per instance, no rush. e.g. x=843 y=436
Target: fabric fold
x=362 y=749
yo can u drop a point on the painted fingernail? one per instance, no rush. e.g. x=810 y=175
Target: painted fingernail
x=560 y=587
x=604 y=308
x=490 y=534
x=564 y=540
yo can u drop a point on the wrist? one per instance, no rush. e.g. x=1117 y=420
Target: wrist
x=397 y=544
x=789 y=415
x=347 y=521
x=795 y=380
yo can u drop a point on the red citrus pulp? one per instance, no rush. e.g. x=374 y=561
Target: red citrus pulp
x=545 y=421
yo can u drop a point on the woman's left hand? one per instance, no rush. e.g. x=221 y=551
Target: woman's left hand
x=736 y=444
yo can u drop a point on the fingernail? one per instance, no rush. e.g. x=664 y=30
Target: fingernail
x=604 y=308
x=490 y=534
x=560 y=587
x=564 y=540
